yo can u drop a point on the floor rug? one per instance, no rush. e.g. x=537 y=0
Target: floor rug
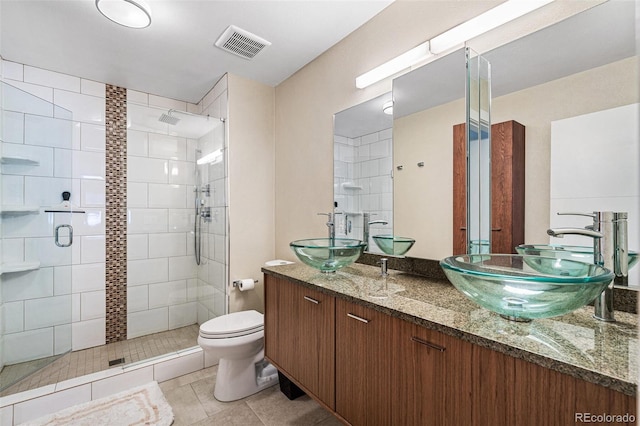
x=143 y=405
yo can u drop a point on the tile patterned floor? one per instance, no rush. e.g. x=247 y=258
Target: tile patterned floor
x=87 y=361
x=191 y=397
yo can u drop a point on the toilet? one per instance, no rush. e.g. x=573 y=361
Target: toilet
x=237 y=340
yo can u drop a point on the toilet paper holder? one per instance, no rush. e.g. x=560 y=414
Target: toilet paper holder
x=236 y=283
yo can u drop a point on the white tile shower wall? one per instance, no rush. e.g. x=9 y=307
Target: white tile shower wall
x=160 y=200
x=363 y=184
x=211 y=281
x=68 y=143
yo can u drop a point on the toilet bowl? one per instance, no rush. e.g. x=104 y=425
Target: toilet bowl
x=237 y=340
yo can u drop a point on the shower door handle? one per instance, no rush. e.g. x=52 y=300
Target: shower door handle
x=57 y=235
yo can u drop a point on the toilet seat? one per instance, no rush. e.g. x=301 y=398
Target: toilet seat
x=232 y=325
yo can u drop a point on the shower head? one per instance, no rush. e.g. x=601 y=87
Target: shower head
x=168 y=118
x=171 y=119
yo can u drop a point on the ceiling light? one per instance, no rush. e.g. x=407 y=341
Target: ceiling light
x=387 y=107
x=397 y=64
x=489 y=20
x=130 y=13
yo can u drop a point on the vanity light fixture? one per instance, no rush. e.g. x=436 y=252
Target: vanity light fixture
x=387 y=107
x=493 y=18
x=489 y=20
x=397 y=64
x=129 y=13
x=211 y=158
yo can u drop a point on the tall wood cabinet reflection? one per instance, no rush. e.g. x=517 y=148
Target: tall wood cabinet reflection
x=507 y=187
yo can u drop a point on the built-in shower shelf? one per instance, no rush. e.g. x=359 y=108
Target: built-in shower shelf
x=19 y=209
x=10 y=267
x=349 y=185
x=19 y=161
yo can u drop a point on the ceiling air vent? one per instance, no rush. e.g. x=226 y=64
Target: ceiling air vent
x=240 y=42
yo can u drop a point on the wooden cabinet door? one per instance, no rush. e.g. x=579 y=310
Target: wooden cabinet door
x=364 y=346
x=304 y=337
x=510 y=391
x=431 y=377
x=419 y=377
x=492 y=388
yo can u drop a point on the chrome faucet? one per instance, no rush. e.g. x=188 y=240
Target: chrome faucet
x=383 y=267
x=366 y=222
x=331 y=224
x=609 y=233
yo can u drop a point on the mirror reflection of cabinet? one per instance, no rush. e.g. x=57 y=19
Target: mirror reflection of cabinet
x=507 y=187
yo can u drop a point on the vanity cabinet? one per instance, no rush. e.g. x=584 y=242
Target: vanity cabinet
x=507 y=187
x=299 y=325
x=371 y=368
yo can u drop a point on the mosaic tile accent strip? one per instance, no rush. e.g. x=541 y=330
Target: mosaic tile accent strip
x=116 y=213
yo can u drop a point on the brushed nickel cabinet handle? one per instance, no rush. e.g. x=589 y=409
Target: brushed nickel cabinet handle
x=496 y=229
x=309 y=299
x=430 y=345
x=355 y=317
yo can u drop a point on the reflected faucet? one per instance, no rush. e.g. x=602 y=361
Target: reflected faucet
x=609 y=233
x=331 y=223
x=366 y=222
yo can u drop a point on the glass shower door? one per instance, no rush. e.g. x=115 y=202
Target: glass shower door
x=36 y=224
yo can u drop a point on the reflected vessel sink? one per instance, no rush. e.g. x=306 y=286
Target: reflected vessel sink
x=579 y=253
x=393 y=245
x=328 y=254
x=508 y=284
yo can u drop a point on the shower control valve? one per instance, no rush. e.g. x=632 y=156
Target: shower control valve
x=205 y=213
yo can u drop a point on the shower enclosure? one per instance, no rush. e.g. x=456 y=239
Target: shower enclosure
x=176 y=200
x=39 y=245
x=52 y=223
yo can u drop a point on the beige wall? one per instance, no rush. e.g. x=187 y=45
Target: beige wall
x=251 y=187
x=306 y=102
x=423 y=196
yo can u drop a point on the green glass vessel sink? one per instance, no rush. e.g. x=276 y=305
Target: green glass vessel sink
x=328 y=254
x=393 y=245
x=579 y=253
x=523 y=288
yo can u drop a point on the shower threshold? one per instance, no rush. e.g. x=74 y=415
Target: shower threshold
x=92 y=360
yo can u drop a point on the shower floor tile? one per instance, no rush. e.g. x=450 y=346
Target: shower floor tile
x=87 y=361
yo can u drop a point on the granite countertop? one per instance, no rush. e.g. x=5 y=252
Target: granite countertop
x=575 y=344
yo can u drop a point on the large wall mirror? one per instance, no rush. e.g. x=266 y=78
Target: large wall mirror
x=574 y=86
x=363 y=186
